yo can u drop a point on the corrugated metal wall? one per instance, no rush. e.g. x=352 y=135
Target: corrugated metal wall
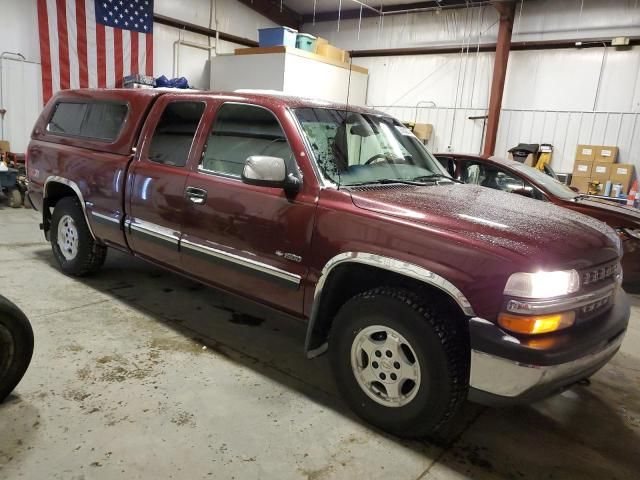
x=551 y=96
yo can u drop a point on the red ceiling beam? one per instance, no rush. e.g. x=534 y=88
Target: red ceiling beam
x=506 y=11
x=275 y=11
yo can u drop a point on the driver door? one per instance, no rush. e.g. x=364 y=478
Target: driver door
x=248 y=239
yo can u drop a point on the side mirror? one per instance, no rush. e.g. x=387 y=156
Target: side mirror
x=525 y=192
x=575 y=189
x=269 y=172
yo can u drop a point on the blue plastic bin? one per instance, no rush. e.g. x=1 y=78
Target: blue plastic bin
x=306 y=42
x=277 y=36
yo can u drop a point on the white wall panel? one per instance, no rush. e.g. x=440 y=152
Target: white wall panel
x=539 y=20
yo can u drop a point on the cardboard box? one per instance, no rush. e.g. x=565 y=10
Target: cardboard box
x=582 y=168
x=581 y=183
x=622 y=173
x=586 y=153
x=606 y=154
x=329 y=51
x=4 y=146
x=423 y=131
x=601 y=171
x=320 y=41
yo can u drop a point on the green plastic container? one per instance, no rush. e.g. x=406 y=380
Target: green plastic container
x=307 y=42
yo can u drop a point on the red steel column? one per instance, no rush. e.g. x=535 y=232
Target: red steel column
x=506 y=9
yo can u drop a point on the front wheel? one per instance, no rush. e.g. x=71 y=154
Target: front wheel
x=400 y=362
x=74 y=247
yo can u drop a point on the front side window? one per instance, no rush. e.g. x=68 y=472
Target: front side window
x=94 y=120
x=353 y=148
x=174 y=134
x=239 y=132
x=490 y=176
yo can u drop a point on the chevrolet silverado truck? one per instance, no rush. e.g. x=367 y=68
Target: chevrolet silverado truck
x=424 y=291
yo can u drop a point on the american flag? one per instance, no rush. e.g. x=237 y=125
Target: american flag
x=93 y=43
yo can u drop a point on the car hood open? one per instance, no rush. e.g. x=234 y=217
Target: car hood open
x=519 y=224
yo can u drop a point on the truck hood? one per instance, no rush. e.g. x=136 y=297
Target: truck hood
x=546 y=233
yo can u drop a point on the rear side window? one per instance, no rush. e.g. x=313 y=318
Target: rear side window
x=95 y=120
x=240 y=131
x=174 y=133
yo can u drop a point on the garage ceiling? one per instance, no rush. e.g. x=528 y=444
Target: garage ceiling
x=305 y=7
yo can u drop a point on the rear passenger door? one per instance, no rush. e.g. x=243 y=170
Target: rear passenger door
x=157 y=177
x=248 y=239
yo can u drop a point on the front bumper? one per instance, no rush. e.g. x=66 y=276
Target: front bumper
x=506 y=370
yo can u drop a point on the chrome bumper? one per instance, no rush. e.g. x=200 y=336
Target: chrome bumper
x=506 y=378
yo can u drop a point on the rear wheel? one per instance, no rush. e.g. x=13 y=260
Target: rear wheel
x=401 y=363
x=73 y=246
x=16 y=346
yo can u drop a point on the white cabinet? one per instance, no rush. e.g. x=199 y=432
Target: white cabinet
x=292 y=71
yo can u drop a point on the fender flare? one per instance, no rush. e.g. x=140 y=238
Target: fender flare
x=394 y=265
x=77 y=191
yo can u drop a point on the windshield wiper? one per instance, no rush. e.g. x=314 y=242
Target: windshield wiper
x=386 y=181
x=437 y=176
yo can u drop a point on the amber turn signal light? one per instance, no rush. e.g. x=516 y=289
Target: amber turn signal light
x=536 y=324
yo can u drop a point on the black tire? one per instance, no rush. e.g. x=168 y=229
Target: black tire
x=16 y=346
x=441 y=347
x=90 y=255
x=14 y=198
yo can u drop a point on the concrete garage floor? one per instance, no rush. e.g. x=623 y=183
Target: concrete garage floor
x=142 y=373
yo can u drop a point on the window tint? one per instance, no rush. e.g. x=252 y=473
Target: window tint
x=99 y=120
x=67 y=118
x=103 y=120
x=174 y=133
x=240 y=131
x=490 y=176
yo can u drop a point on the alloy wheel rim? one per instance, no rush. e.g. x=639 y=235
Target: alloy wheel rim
x=68 y=237
x=385 y=366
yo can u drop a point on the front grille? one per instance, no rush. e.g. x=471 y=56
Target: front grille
x=596 y=275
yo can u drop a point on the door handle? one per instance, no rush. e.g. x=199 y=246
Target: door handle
x=195 y=195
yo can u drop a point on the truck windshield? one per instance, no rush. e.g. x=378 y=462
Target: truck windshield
x=354 y=148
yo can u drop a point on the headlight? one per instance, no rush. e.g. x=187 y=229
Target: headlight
x=542 y=284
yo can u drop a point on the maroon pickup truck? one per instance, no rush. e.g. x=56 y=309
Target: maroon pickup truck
x=424 y=291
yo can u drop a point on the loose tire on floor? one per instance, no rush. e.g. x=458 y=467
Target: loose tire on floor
x=16 y=346
x=73 y=246
x=412 y=355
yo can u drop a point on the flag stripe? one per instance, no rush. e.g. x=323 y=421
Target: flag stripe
x=92 y=60
x=54 y=41
x=134 y=53
x=142 y=55
x=126 y=54
x=118 y=57
x=43 y=31
x=110 y=57
x=65 y=81
x=81 y=31
x=149 y=54
x=72 y=43
x=102 y=55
